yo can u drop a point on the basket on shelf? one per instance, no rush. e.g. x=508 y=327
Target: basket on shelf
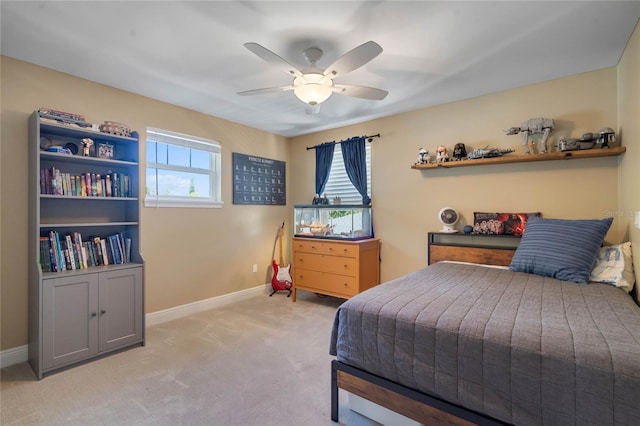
x=115 y=128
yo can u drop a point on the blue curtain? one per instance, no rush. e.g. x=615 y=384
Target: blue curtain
x=355 y=164
x=324 y=158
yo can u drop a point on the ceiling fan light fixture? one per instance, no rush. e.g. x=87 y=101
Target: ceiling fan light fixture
x=313 y=88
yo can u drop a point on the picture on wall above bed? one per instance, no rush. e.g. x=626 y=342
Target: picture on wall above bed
x=501 y=223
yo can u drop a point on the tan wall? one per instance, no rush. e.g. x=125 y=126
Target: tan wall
x=629 y=124
x=406 y=202
x=191 y=254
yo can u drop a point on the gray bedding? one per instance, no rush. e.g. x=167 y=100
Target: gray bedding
x=521 y=348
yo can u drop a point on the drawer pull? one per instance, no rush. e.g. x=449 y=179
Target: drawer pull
x=346 y=251
x=346 y=285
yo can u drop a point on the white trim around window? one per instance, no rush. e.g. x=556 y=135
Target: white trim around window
x=182 y=171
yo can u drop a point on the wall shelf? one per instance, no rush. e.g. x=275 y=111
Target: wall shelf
x=510 y=158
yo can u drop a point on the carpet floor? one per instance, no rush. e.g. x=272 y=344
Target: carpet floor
x=262 y=361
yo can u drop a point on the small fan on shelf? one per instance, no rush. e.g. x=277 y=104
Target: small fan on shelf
x=449 y=217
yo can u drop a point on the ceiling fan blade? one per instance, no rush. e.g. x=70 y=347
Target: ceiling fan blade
x=266 y=90
x=362 y=92
x=273 y=59
x=354 y=59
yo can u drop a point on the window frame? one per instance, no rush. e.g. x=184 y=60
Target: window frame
x=182 y=140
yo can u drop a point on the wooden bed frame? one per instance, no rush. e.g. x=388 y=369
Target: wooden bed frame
x=421 y=407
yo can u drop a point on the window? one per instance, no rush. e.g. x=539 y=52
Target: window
x=182 y=170
x=339 y=184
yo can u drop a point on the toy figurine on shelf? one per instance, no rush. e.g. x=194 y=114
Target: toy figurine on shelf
x=442 y=154
x=588 y=140
x=487 y=152
x=459 y=152
x=423 y=156
x=533 y=126
x=606 y=136
x=87 y=143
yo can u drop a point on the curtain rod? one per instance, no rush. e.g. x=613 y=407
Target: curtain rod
x=370 y=138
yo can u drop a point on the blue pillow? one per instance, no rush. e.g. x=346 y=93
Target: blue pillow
x=560 y=248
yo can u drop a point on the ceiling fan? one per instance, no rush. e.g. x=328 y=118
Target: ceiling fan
x=314 y=85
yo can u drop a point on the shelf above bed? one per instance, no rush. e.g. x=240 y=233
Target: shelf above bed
x=510 y=158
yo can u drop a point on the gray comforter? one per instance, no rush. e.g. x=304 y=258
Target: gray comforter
x=521 y=348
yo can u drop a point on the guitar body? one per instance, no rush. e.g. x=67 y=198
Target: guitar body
x=281 y=279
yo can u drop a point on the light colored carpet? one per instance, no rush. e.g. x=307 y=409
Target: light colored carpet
x=263 y=361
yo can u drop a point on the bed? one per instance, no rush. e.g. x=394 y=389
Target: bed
x=464 y=343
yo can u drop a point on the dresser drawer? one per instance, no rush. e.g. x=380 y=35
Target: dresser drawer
x=325 y=282
x=323 y=247
x=321 y=262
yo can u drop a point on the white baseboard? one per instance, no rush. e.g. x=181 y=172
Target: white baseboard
x=176 y=312
x=12 y=356
x=20 y=354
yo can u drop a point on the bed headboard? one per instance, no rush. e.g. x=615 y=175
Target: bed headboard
x=487 y=249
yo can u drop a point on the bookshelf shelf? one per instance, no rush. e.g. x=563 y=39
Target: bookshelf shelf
x=86 y=272
x=94 y=269
x=80 y=198
x=66 y=158
x=86 y=225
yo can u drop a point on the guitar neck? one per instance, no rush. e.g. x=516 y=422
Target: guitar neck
x=280 y=249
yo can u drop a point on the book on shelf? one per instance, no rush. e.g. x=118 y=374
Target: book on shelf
x=112 y=184
x=69 y=252
x=106 y=259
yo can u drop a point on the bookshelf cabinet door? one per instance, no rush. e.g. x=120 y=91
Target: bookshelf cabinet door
x=121 y=308
x=70 y=321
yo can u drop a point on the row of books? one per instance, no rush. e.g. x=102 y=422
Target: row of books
x=68 y=252
x=55 y=182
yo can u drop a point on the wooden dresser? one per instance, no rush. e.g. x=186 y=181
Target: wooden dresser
x=336 y=268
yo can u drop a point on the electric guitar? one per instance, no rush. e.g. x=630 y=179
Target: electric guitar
x=281 y=279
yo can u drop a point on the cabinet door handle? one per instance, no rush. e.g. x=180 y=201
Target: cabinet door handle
x=102 y=312
x=93 y=314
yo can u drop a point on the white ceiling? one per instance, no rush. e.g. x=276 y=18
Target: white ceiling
x=191 y=54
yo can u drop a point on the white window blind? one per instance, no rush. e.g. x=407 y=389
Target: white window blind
x=182 y=170
x=339 y=184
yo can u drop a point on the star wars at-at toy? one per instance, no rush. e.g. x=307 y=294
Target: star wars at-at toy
x=533 y=126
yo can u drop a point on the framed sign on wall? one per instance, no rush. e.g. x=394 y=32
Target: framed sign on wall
x=258 y=180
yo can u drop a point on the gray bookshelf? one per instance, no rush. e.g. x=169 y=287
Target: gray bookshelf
x=79 y=314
